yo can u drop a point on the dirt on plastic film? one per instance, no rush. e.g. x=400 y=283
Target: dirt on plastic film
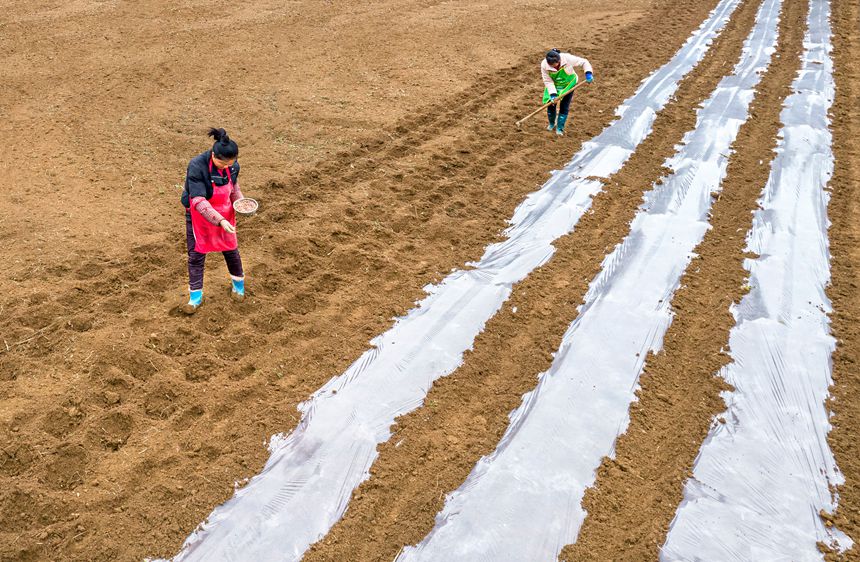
x=844 y=292
x=464 y=415
x=123 y=424
x=679 y=394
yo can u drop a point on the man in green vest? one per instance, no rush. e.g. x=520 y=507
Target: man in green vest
x=559 y=77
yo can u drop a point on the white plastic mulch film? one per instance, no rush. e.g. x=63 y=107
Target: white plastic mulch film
x=523 y=502
x=765 y=471
x=308 y=480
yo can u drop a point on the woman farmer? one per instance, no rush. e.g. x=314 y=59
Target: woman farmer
x=211 y=187
x=559 y=77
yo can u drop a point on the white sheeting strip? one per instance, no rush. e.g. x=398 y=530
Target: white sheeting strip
x=765 y=471
x=308 y=480
x=523 y=502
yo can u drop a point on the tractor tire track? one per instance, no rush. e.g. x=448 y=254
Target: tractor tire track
x=465 y=415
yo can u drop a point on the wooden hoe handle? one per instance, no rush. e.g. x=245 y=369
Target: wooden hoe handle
x=547 y=104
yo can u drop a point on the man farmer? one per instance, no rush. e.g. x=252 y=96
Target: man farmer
x=559 y=77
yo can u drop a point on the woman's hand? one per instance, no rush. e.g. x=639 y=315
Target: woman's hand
x=225 y=224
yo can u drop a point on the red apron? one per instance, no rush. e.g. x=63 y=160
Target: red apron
x=209 y=237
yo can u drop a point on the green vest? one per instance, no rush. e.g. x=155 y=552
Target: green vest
x=562 y=80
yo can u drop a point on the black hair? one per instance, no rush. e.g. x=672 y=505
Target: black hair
x=224 y=148
x=554 y=55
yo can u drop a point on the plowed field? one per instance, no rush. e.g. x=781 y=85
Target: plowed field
x=379 y=139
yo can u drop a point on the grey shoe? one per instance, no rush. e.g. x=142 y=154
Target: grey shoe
x=559 y=132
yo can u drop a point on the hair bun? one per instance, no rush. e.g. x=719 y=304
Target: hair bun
x=220 y=135
x=224 y=147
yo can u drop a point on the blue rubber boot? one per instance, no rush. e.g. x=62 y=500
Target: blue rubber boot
x=550 y=115
x=238 y=292
x=559 y=127
x=195 y=299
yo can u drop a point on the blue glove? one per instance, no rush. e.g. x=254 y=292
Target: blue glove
x=589 y=77
x=553 y=97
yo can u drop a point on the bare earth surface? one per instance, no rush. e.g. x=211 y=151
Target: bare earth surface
x=379 y=140
x=845 y=248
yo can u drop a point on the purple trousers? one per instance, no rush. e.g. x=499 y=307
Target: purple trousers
x=197 y=261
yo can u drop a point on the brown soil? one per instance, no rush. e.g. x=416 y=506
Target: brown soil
x=466 y=413
x=123 y=424
x=844 y=212
x=679 y=395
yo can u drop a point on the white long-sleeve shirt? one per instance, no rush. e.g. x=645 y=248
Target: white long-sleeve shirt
x=568 y=63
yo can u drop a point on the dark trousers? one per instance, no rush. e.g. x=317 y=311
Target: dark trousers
x=565 y=107
x=197 y=261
